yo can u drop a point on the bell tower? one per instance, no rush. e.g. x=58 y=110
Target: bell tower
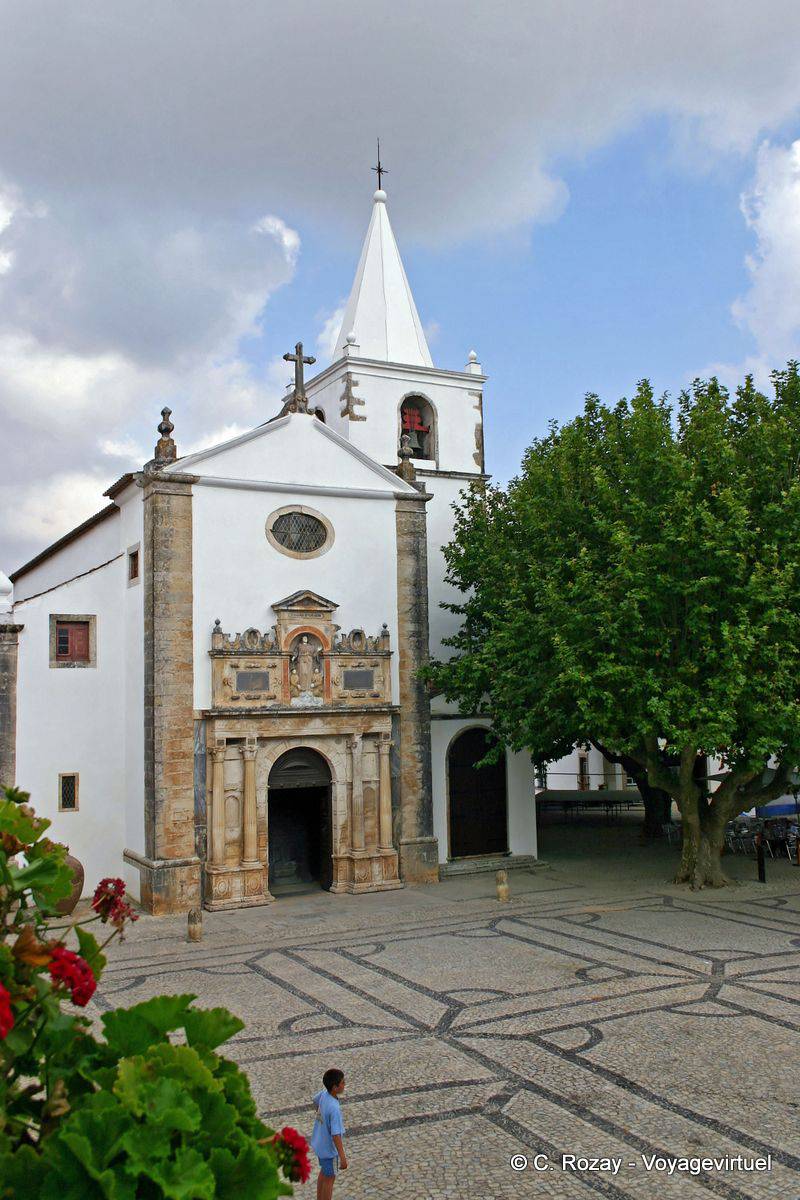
x=383 y=382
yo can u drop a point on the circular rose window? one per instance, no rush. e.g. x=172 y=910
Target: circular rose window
x=299 y=532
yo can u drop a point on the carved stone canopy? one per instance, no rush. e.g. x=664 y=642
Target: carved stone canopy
x=303 y=661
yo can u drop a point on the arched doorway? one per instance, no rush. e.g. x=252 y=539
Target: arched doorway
x=299 y=821
x=478 y=808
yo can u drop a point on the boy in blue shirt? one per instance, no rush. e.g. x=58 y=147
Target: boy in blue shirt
x=326 y=1140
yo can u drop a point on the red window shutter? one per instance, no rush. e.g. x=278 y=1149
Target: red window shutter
x=79 y=638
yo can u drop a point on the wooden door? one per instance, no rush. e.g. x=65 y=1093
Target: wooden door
x=478 y=806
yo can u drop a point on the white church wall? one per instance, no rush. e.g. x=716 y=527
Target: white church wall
x=73 y=720
x=454 y=397
x=131 y=529
x=442 y=623
x=97 y=545
x=297 y=449
x=519 y=789
x=238 y=574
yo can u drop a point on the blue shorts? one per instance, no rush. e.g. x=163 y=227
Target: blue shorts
x=327 y=1167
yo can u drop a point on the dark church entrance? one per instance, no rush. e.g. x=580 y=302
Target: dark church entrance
x=299 y=822
x=478 y=819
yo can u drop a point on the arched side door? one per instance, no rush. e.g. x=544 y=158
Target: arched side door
x=299 y=823
x=478 y=804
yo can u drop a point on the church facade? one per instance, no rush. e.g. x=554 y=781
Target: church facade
x=212 y=686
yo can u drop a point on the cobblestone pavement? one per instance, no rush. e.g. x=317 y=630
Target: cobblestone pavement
x=585 y=1018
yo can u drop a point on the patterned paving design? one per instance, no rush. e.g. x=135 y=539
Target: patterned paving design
x=618 y=1026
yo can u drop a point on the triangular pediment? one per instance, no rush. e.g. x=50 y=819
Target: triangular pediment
x=304 y=601
x=296 y=449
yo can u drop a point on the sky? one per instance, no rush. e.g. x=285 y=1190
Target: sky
x=586 y=192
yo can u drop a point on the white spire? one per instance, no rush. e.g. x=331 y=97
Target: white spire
x=381 y=312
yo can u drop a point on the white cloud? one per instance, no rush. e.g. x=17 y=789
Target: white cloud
x=328 y=334
x=41 y=514
x=770 y=309
x=143 y=227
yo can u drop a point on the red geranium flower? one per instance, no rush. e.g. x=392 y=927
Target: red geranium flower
x=110 y=904
x=74 y=972
x=6 y=1015
x=292 y=1149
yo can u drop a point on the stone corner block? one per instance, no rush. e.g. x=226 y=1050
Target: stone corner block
x=419 y=860
x=167 y=885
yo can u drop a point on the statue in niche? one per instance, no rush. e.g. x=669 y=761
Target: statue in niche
x=306 y=673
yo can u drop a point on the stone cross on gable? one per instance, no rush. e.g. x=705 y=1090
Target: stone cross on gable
x=299 y=403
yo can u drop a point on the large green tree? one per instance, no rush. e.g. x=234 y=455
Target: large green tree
x=638 y=586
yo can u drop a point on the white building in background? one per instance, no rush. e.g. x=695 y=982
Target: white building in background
x=211 y=685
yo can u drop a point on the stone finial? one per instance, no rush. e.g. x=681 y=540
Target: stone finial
x=6 y=594
x=166 y=450
x=405 y=467
x=473 y=366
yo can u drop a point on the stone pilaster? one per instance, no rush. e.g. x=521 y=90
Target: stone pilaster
x=357 y=823
x=249 y=811
x=9 y=650
x=385 y=794
x=169 y=867
x=419 y=851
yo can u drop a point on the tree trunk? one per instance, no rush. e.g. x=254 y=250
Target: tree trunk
x=703 y=840
x=657 y=809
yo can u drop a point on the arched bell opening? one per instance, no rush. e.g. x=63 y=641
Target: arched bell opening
x=478 y=805
x=418 y=421
x=299 y=822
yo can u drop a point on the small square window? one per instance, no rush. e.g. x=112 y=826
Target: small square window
x=133 y=566
x=72 y=641
x=67 y=793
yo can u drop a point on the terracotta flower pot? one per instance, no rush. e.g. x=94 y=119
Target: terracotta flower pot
x=65 y=906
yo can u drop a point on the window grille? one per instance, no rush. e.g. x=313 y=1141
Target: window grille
x=299 y=532
x=67 y=793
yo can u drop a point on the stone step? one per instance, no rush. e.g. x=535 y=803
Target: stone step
x=484 y=864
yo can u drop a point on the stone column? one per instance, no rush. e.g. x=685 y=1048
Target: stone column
x=169 y=866
x=218 y=806
x=9 y=650
x=249 y=816
x=356 y=749
x=385 y=794
x=419 y=851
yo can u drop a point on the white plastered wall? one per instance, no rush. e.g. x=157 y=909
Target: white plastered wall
x=239 y=574
x=519 y=788
x=73 y=719
x=454 y=397
x=131 y=523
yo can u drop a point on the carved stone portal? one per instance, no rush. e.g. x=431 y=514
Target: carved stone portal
x=301 y=684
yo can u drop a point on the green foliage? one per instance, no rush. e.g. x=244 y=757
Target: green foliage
x=638 y=585
x=151 y=1111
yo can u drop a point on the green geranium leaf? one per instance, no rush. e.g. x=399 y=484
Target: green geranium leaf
x=252 y=1173
x=210 y=1027
x=36 y=874
x=163 y=1102
x=134 y=1030
x=185 y=1176
x=22 y=1174
x=24 y=826
x=90 y=949
x=185 y=1064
